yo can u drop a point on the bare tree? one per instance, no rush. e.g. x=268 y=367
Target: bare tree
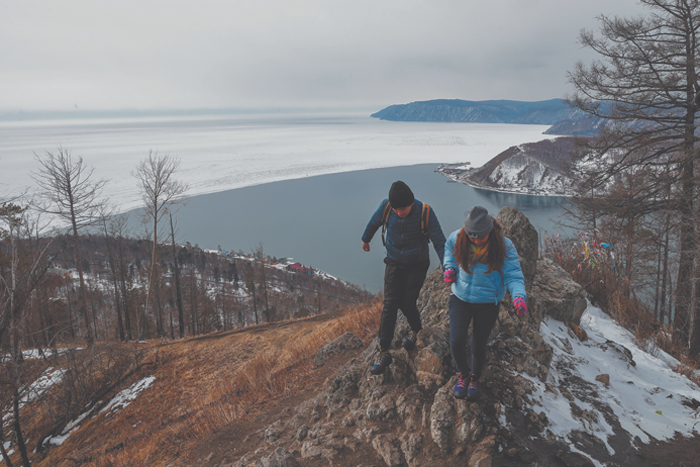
x=23 y=265
x=178 y=289
x=260 y=255
x=69 y=191
x=115 y=278
x=250 y=286
x=118 y=232
x=645 y=86
x=159 y=192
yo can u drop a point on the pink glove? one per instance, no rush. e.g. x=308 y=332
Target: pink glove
x=450 y=275
x=520 y=306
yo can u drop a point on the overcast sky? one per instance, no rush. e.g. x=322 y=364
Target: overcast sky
x=145 y=54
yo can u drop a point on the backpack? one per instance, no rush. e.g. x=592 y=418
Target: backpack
x=424 y=219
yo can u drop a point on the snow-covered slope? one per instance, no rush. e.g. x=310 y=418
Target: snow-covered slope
x=540 y=168
x=618 y=392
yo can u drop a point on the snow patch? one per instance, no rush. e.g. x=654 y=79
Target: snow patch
x=124 y=398
x=644 y=393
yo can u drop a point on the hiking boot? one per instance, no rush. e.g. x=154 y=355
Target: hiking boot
x=461 y=387
x=473 y=391
x=383 y=361
x=409 y=342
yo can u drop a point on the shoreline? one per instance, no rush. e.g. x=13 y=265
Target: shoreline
x=513 y=191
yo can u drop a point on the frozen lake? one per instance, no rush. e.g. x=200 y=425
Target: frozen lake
x=226 y=151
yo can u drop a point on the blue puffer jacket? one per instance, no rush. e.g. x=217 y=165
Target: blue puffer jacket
x=481 y=287
x=405 y=244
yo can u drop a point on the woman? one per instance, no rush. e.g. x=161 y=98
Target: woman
x=480 y=263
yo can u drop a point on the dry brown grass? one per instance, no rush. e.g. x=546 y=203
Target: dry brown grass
x=203 y=384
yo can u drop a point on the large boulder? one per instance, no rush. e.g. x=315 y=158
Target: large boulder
x=556 y=293
x=524 y=236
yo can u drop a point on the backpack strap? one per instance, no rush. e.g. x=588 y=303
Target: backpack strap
x=424 y=220
x=385 y=220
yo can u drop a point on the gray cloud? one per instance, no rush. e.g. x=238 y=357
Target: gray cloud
x=217 y=53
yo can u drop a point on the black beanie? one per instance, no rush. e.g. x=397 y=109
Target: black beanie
x=400 y=195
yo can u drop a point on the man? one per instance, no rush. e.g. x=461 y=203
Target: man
x=408 y=227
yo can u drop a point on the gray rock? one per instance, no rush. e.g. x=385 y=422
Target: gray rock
x=556 y=293
x=337 y=346
x=279 y=458
x=387 y=446
x=623 y=352
x=524 y=236
x=311 y=448
x=382 y=410
x=342 y=388
x=273 y=432
x=428 y=361
x=482 y=456
x=442 y=417
x=412 y=447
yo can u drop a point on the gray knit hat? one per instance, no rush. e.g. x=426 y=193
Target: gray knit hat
x=478 y=222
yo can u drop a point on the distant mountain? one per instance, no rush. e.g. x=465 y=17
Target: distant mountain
x=495 y=111
x=540 y=168
x=555 y=112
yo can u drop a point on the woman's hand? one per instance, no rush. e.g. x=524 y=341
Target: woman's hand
x=520 y=306
x=450 y=275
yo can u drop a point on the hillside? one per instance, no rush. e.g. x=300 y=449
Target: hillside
x=166 y=396
x=565 y=386
x=494 y=111
x=219 y=290
x=541 y=168
x=555 y=112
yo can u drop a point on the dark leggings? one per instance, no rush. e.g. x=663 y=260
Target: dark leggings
x=461 y=314
x=402 y=286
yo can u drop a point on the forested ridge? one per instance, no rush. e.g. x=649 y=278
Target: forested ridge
x=219 y=291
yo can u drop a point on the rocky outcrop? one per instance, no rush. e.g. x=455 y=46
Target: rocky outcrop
x=524 y=236
x=338 y=345
x=408 y=415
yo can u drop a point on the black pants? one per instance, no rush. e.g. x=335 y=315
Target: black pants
x=402 y=286
x=462 y=313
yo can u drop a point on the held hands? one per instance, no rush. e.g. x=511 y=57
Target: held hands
x=520 y=306
x=450 y=275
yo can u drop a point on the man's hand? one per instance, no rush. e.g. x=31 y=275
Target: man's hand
x=365 y=246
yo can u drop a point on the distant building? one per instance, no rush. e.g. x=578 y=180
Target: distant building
x=297 y=267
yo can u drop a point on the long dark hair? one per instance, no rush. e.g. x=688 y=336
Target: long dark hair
x=496 y=252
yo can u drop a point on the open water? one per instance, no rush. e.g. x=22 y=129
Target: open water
x=319 y=220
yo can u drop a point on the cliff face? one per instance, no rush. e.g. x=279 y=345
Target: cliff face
x=540 y=168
